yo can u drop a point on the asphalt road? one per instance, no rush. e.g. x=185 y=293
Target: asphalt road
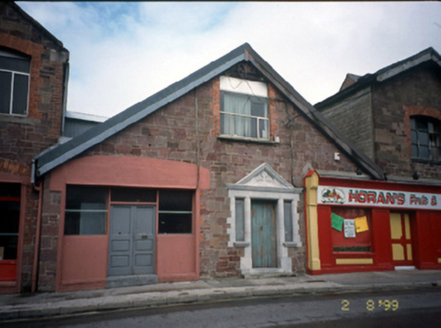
x=410 y=308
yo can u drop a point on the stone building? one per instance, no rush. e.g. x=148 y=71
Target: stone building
x=33 y=78
x=394 y=117
x=202 y=179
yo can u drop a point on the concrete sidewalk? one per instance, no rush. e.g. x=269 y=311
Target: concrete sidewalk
x=54 y=304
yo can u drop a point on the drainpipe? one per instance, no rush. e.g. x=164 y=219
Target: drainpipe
x=39 y=189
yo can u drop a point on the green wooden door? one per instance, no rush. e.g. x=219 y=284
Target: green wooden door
x=263 y=234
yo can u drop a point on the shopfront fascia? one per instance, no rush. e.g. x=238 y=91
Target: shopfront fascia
x=364 y=225
x=91 y=256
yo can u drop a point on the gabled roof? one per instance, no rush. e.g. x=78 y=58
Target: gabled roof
x=427 y=56
x=60 y=154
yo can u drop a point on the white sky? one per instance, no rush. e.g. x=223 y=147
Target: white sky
x=123 y=52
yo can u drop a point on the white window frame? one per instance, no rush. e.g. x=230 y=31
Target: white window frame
x=246 y=88
x=13 y=74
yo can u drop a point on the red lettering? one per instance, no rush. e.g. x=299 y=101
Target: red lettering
x=390 y=199
x=352 y=196
x=400 y=199
x=380 y=199
x=371 y=197
x=362 y=197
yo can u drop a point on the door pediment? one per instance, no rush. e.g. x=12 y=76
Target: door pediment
x=263 y=178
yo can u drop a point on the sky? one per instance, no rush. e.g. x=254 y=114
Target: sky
x=123 y=52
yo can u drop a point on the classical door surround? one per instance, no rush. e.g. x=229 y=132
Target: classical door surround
x=264 y=183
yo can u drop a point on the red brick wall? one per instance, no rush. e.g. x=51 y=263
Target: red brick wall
x=22 y=138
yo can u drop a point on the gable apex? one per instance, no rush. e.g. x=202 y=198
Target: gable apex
x=264 y=177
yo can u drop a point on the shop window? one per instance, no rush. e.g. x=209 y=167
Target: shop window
x=86 y=210
x=175 y=212
x=351 y=230
x=425 y=135
x=244 y=109
x=9 y=220
x=133 y=195
x=14 y=83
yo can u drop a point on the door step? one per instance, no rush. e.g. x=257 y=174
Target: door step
x=126 y=281
x=409 y=267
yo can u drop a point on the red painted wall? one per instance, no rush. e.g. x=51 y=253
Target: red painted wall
x=428 y=250
x=84 y=262
x=176 y=258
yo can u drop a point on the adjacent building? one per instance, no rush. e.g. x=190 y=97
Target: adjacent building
x=33 y=82
x=394 y=117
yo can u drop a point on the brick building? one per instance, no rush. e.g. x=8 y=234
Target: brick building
x=33 y=75
x=394 y=117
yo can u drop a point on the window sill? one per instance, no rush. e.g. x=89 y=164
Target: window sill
x=290 y=244
x=250 y=140
x=241 y=244
x=426 y=161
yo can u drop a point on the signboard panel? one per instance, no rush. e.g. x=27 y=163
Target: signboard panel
x=377 y=198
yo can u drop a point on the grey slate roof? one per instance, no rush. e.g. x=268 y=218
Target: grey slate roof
x=426 y=57
x=52 y=158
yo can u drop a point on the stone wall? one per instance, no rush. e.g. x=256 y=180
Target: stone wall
x=416 y=93
x=353 y=118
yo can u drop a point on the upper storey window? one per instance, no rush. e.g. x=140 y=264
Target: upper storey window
x=244 y=108
x=14 y=83
x=425 y=133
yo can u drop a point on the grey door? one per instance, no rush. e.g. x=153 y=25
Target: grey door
x=263 y=234
x=132 y=240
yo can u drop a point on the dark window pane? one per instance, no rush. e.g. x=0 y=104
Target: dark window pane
x=175 y=223
x=423 y=138
x=413 y=135
x=20 y=97
x=10 y=190
x=8 y=247
x=424 y=152
x=85 y=223
x=133 y=195
x=15 y=64
x=85 y=197
x=240 y=220
x=5 y=94
x=175 y=200
x=9 y=216
x=421 y=124
x=412 y=123
x=258 y=107
x=72 y=223
x=287 y=210
x=414 y=151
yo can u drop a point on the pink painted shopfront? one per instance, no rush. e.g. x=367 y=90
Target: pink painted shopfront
x=138 y=227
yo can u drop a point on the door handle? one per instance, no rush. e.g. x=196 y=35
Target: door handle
x=144 y=236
